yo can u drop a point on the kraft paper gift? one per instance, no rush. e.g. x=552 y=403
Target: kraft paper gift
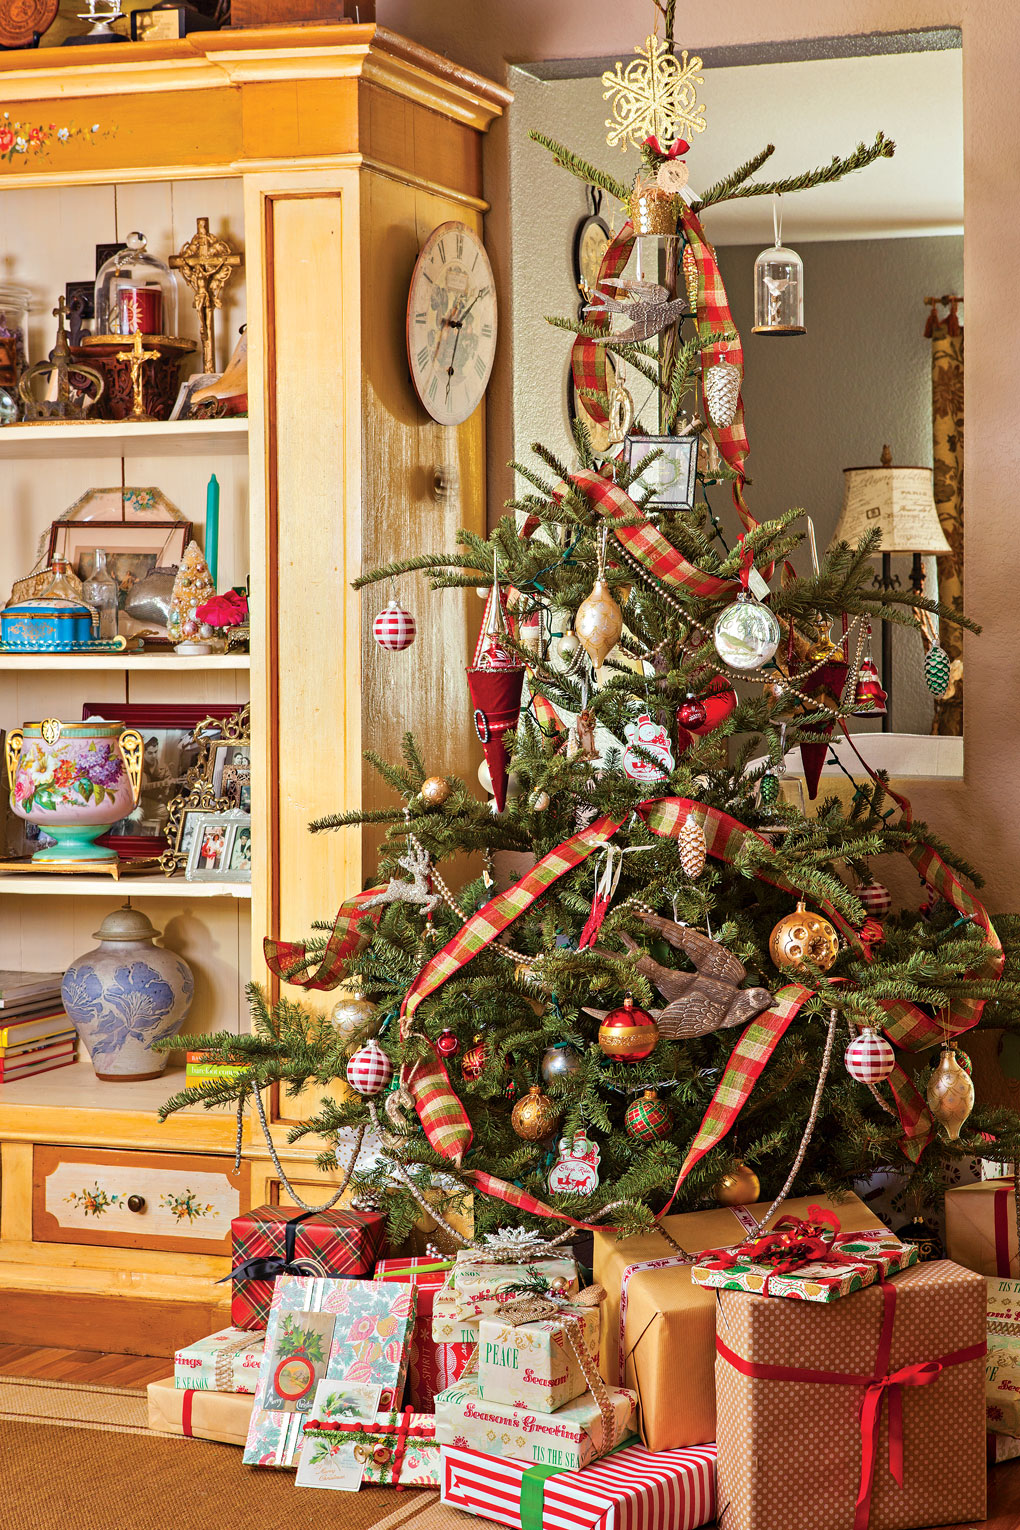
x=202 y=1415
x=533 y=1365
x=567 y=1440
x=658 y=1327
x=981 y=1227
x=630 y=1490
x=866 y=1414
x=227 y=1361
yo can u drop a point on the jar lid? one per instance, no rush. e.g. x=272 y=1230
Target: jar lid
x=126 y=923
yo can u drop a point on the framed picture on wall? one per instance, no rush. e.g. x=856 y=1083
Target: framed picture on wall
x=172 y=757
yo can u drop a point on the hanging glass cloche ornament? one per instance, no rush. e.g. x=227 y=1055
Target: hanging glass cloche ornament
x=135 y=293
x=778 y=286
x=746 y=633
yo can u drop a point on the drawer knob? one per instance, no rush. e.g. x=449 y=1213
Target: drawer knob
x=136 y=1203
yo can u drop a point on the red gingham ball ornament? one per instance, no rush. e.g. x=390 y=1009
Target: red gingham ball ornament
x=869 y=1057
x=394 y=627
x=875 y=896
x=369 y=1069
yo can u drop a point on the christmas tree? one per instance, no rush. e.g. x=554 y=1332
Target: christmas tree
x=674 y=979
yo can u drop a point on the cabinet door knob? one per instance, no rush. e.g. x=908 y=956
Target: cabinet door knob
x=136 y=1203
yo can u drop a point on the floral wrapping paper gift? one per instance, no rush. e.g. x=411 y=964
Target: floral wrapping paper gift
x=351 y=1331
x=274 y=1240
x=567 y=1440
x=864 y=1414
x=227 y=1361
x=533 y=1365
x=434 y=1364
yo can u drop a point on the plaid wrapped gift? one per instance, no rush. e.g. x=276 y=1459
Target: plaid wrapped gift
x=273 y=1240
x=434 y=1365
x=808 y=1260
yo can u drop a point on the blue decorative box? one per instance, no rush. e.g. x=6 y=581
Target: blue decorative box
x=46 y=626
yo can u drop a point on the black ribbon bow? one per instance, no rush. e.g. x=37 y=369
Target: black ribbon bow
x=269 y=1267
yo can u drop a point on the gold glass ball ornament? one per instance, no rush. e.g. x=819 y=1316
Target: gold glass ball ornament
x=559 y=1285
x=803 y=937
x=534 y=1116
x=354 y=1015
x=628 y=1034
x=950 y=1093
x=739 y=1186
x=435 y=790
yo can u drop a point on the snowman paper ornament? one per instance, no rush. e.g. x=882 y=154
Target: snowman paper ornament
x=650 y=737
x=576 y=1170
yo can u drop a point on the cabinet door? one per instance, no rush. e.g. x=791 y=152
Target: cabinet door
x=180 y=1202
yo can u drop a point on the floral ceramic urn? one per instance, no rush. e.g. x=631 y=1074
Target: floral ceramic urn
x=125 y=995
x=74 y=779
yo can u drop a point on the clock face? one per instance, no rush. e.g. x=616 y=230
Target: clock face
x=590 y=245
x=451 y=323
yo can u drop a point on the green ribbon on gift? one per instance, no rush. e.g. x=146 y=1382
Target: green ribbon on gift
x=535 y=1478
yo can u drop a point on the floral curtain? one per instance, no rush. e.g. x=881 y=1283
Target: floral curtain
x=946 y=334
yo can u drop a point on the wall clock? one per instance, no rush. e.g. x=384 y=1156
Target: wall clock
x=451 y=323
x=591 y=241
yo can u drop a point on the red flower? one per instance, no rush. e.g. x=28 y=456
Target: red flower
x=64 y=773
x=6 y=139
x=228 y=610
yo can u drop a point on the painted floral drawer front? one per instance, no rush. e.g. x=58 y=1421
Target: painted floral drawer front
x=136 y=1200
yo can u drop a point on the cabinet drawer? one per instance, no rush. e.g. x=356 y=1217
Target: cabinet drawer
x=176 y=1201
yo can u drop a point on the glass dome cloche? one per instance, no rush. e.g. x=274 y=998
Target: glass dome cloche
x=135 y=292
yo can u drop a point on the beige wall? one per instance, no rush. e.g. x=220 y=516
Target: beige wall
x=980 y=815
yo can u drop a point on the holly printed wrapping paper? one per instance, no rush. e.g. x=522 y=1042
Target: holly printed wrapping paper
x=532 y=1365
x=270 y=1241
x=351 y=1331
x=434 y=1364
x=567 y=1440
x=227 y=1361
x=630 y=1490
x=345 y=1446
x=851 y=1264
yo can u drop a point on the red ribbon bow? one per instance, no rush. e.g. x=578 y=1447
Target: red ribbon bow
x=791 y=1244
x=677 y=147
x=398 y=1429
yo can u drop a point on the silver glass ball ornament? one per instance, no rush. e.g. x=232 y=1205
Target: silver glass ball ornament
x=559 y=1061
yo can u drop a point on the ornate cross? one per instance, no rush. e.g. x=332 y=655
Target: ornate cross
x=136 y=358
x=206 y=264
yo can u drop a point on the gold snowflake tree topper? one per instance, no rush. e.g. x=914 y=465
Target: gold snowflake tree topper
x=655 y=95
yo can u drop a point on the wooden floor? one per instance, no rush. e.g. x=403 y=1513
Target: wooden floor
x=84 y=1365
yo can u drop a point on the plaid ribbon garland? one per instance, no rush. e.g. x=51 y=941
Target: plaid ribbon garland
x=352 y=931
x=713 y=317
x=589 y=361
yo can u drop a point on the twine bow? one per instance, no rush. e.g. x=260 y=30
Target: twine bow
x=536 y=1309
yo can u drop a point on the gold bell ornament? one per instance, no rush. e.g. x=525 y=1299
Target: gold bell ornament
x=599 y=620
x=739 y=1186
x=803 y=937
x=535 y=1115
x=950 y=1093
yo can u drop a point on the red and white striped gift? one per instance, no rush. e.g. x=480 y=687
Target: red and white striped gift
x=631 y=1489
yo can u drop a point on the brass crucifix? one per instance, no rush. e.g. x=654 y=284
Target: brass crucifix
x=136 y=358
x=206 y=264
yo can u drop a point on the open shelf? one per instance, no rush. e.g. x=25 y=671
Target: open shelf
x=155 y=663
x=56 y=885
x=78 y=1086
x=115 y=438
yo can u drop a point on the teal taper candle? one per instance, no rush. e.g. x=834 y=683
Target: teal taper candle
x=212 y=526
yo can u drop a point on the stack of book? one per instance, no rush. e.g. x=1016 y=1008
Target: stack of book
x=199 y=1069
x=35 y=1033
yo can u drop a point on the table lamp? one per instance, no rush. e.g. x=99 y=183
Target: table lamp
x=899 y=502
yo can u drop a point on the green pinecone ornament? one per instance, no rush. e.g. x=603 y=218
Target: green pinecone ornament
x=936 y=670
x=768 y=791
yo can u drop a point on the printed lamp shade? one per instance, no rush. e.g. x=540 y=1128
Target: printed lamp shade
x=898 y=501
x=869 y=1058
x=394 y=627
x=369 y=1069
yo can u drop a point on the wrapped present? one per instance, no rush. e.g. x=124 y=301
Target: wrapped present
x=448 y=1327
x=632 y=1490
x=1002 y=1386
x=434 y=1364
x=388 y=1450
x=981 y=1227
x=866 y=1413
x=483 y=1284
x=273 y=1240
x=568 y=1440
x=1002 y=1447
x=539 y=1354
x=808 y=1260
x=1003 y=1309
x=198 y=1413
x=227 y=1361
x=658 y=1327
x=354 y=1332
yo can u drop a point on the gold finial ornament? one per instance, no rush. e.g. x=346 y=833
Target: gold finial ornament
x=950 y=1093
x=654 y=95
x=206 y=263
x=136 y=358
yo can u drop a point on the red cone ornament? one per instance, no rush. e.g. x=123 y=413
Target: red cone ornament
x=495 y=681
x=869 y=698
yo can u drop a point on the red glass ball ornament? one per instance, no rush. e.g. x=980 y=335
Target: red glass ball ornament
x=692 y=714
x=647 y=1119
x=628 y=1034
x=447 y=1044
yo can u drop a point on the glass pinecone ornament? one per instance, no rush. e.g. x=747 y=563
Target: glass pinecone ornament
x=628 y=1034
x=950 y=1093
x=739 y=1186
x=559 y=1061
x=534 y=1116
x=394 y=628
x=647 y=1119
x=746 y=633
x=869 y=1058
x=936 y=670
x=768 y=790
x=721 y=388
x=692 y=849
x=803 y=936
x=354 y=1015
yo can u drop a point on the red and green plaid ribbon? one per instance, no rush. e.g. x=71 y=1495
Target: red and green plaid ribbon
x=589 y=361
x=352 y=932
x=714 y=317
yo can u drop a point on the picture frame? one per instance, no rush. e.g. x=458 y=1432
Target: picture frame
x=134 y=550
x=672 y=477
x=229 y=771
x=220 y=848
x=181 y=821
x=176 y=738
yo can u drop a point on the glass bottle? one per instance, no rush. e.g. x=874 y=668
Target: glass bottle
x=63 y=585
x=100 y=591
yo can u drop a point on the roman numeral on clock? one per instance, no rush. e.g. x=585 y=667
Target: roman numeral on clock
x=422 y=358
